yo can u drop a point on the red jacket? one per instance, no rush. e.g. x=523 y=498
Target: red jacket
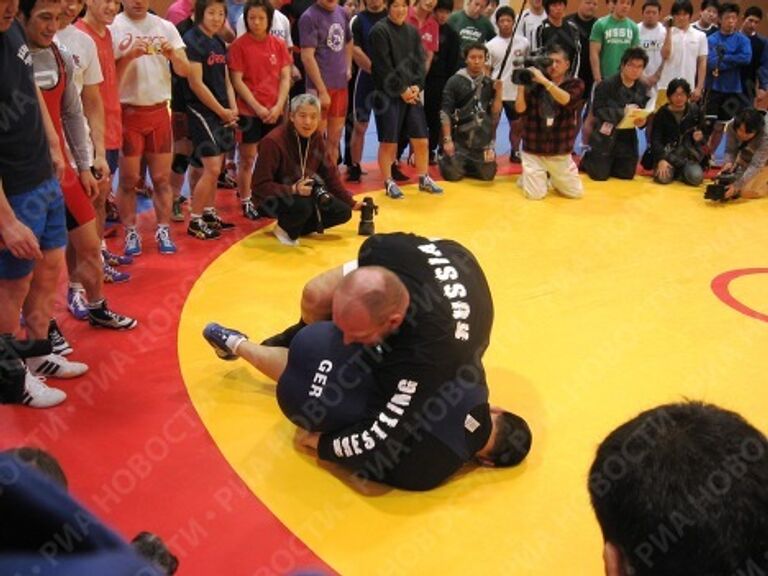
x=278 y=165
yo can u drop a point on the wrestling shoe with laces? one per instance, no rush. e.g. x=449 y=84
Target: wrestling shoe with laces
x=114 y=276
x=103 y=317
x=214 y=221
x=224 y=341
x=201 y=230
x=76 y=303
x=115 y=259
x=59 y=344
x=132 y=243
x=164 y=243
x=38 y=395
x=55 y=366
x=249 y=210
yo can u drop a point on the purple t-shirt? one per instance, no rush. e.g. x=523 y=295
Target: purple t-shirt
x=328 y=33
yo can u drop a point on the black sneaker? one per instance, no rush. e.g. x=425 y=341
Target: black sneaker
x=213 y=221
x=514 y=157
x=249 y=210
x=397 y=174
x=59 y=344
x=226 y=181
x=200 y=230
x=103 y=317
x=354 y=173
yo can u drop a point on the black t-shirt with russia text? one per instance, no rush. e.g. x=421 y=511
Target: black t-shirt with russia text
x=211 y=52
x=25 y=160
x=432 y=395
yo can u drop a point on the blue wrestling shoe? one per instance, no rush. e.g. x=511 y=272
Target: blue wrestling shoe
x=426 y=184
x=224 y=340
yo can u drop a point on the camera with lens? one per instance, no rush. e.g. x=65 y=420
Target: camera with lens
x=716 y=191
x=524 y=77
x=320 y=193
x=367 y=212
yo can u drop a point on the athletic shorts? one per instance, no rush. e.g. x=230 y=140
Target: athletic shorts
x=339 y=103
x=76 y=202
x=725 y=105
x=395 y=118
x=146 y=129
x=179 y=125
x=42 y=210
x=364 y=95
x=209 y=136
x=252 y=129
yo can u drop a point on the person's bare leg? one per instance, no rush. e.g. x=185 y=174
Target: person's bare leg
x=85 y=243
x=419 y=147
x=386 y=156
x=12 y=294
x=268 y=360
x=317 y=296
x=248 y=152
x=358 y=141
x=162 y=199
x=38 y=305
x=335 y=128
x=126 y=197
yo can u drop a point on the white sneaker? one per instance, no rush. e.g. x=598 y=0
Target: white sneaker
x=55 y=366
x=283 y=237
x=38 y=395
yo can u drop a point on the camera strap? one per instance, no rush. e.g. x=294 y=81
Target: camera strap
x=303 y=159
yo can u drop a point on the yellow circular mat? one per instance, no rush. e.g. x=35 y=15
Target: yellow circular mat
x=604 y=307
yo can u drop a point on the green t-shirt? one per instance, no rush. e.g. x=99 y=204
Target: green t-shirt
x=469 y=30
x=614 y=36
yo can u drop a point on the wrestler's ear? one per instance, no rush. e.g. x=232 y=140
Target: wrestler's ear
x=394 y=320
x=613 y=560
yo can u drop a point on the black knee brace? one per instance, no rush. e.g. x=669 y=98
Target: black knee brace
x=180 y=163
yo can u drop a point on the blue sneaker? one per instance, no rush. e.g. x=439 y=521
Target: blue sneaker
x=112 y=259
x=426 y=184
x=393 y=190
x=132 y=243
x=164 y=243
x=114 y=276
x=224 y=340
x=76 y=303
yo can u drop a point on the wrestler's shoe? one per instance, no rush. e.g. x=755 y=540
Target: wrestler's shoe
x=224 y=341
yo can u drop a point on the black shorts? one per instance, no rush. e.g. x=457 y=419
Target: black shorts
x=725 y=105
x=209 y=137
x=395 y=118
x=252 y=129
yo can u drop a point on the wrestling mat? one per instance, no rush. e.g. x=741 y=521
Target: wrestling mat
x=634 y=296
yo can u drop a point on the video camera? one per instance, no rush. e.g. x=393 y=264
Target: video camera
x=521 y=75
x=716 y=190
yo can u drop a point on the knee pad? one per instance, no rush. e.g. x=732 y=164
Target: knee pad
x=180 y=163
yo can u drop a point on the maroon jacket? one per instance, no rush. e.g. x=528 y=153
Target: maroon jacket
x=278 y=165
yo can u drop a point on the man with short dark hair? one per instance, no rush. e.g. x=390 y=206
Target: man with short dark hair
x=692 y=475
x=708 y=17
x=746 y=153
x=611 y=35
x=471 y=24
x=684 y=53
x=555 y=29
x=469 y=114
x=754 y=77
x=423 y=311
x=613 y=150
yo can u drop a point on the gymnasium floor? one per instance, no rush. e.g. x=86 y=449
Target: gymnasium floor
x=634 y=296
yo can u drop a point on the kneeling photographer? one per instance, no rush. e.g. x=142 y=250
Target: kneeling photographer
x=677 y=147
x=550 y=106
x=294 y=180
x=469 y=112
x=745 y=172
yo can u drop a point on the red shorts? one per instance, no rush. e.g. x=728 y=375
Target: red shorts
x=146 y=129
x=79 y=207
x=179 y=125
x=339 y=103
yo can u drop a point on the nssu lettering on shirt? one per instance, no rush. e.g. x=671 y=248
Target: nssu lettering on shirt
x=445 y=274
x=357 y=444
